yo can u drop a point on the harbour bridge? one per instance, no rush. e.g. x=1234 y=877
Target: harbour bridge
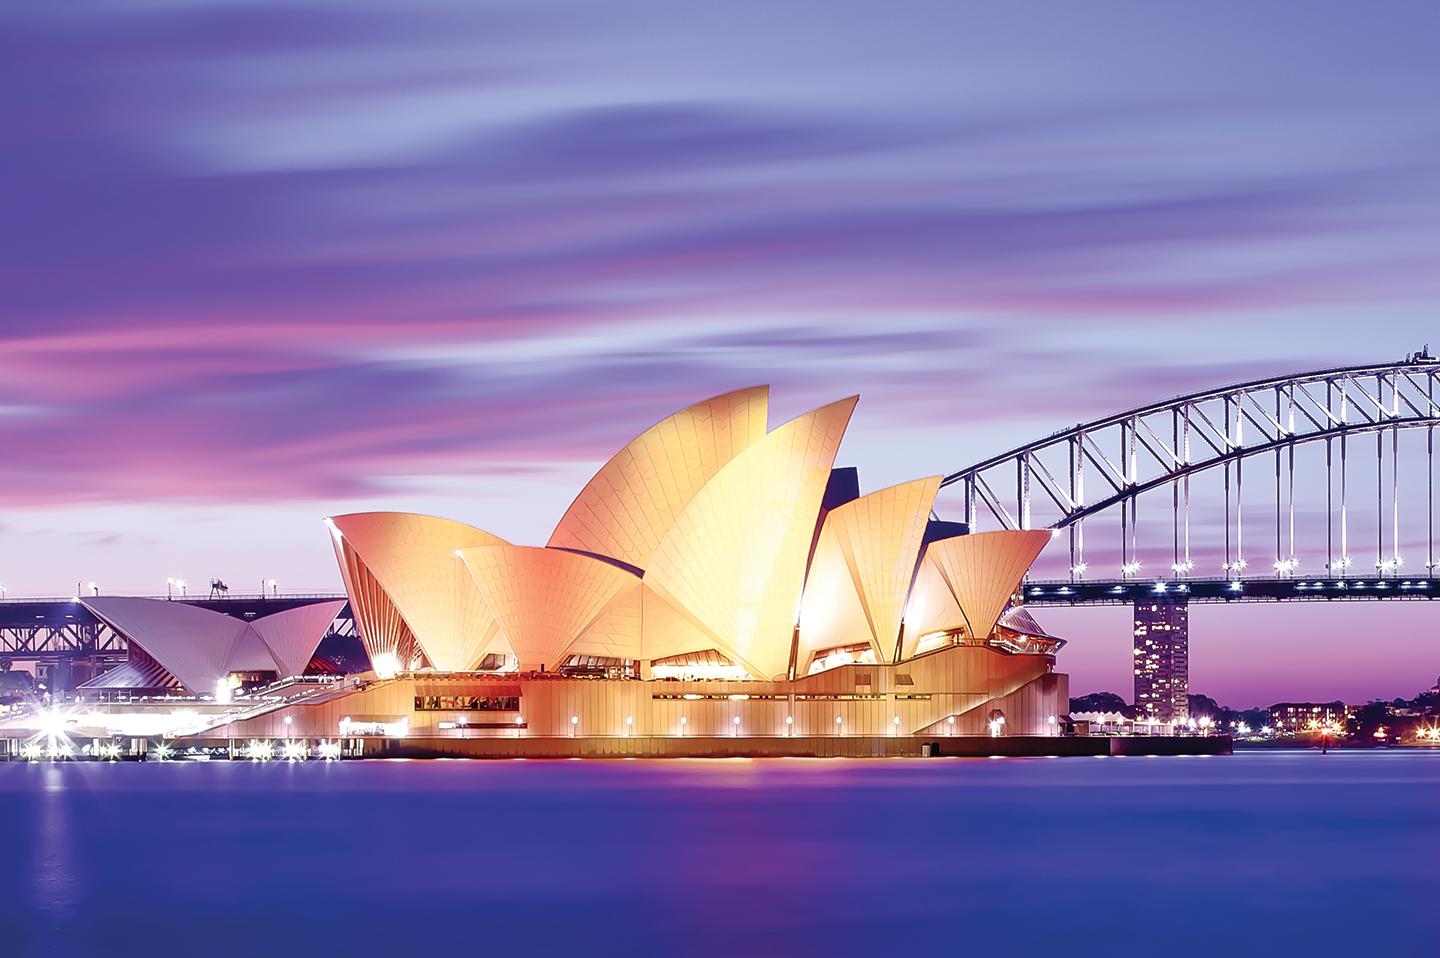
x=1160 y=486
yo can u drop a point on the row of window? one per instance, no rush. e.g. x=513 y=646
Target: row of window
x=717 y=696
x=467 y=703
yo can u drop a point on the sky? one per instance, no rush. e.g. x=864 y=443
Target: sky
x=266 y=262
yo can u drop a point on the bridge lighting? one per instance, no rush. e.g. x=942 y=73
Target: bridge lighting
x=1130 y=568
x=1078 y=569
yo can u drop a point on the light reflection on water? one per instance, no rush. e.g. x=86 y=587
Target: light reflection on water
x=1268 y=853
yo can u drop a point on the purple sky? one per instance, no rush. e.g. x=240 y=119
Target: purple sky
x=263 y=262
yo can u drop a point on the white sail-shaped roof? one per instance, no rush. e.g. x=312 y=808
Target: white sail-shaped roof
x=293 y=635
x=734 y=561
x=545 y=598
x=629 y=505
x=966 y=581
x=413 y=557
x=195 y=645
x=862 y=570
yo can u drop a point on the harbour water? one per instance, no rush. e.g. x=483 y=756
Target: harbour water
x=1274 y=853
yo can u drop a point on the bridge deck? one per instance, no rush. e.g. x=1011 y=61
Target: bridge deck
x=1118 y=592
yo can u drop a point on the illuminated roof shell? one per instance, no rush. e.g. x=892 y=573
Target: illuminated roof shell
x=627 y=508
x=545 y=598
x=413 y=558
x=862 y=571
x=733 y=562
x=967 y=580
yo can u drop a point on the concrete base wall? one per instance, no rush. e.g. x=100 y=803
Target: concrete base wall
x=800 y=746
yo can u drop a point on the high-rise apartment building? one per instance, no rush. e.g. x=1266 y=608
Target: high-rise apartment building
x=1162 y=660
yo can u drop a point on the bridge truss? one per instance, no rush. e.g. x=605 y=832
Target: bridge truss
x=1247 y=430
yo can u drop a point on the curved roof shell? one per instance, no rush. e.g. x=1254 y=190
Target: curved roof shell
x=542 y=598
x=627 y=508
x=862 y=571
x=293 y=635
x=193 y=644
x=413 y=558
x=199 y=647
x=382 y=628
x=733 y=563
x=966 y=581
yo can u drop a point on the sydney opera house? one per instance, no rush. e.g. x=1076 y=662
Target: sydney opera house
x=716 y=580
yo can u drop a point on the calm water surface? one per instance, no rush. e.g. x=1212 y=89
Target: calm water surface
x=1273 y=854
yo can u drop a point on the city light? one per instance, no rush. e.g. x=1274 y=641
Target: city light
x=295 y=751
x=258 y=751
x=329 y=751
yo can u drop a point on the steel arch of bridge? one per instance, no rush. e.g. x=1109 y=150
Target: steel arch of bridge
x=1167 y=443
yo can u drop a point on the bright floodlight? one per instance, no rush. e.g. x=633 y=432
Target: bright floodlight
x=386 y=665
